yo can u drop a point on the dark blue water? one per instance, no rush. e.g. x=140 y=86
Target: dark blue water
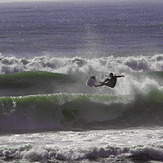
x=89 y=29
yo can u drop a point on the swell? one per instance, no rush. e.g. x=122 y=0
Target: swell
x=41 y=82
x=34 y=82
x=73 y=111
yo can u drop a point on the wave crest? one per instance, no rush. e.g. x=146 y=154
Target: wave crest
x=82 y=65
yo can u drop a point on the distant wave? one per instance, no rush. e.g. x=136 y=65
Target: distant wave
x=77 y=65
x=72 y=111
x=34 y=82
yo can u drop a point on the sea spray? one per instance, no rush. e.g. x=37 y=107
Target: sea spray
x=40 y=82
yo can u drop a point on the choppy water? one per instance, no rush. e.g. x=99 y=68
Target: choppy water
x=48 y=51
x=129 y=145
x=91 y=29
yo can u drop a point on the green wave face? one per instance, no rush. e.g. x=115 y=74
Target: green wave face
x=40 y=82
x=67 y=103
x=73 y=111
x=33 y=82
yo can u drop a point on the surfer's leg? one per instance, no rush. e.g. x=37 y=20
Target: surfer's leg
x=101 y=84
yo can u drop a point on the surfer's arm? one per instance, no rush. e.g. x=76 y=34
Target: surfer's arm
x=119 y=76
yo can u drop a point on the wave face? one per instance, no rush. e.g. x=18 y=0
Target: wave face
x=34 y=82
x=57 y=98
x=74 y=111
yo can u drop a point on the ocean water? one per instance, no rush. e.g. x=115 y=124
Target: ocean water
x=48 y=50
x=93 y=29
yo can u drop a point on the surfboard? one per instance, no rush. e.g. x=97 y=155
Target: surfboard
x=91 y=81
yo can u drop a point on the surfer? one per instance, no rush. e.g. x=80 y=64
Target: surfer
x=110 y=82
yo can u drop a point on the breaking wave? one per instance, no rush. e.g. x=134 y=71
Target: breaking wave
x=82 y=65
x=73 y=111
x=40 y=82
x=41 y=97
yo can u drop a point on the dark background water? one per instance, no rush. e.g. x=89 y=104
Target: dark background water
x=89 y=29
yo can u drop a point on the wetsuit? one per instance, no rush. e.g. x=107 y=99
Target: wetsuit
x=110 y=82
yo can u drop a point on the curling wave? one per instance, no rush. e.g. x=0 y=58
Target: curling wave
x=72 y=111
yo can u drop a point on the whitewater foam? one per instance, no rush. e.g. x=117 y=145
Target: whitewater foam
x=134 y=69
x=76 y=65
x=84 y=146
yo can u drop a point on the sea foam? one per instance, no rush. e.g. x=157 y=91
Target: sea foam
x=77 y=65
